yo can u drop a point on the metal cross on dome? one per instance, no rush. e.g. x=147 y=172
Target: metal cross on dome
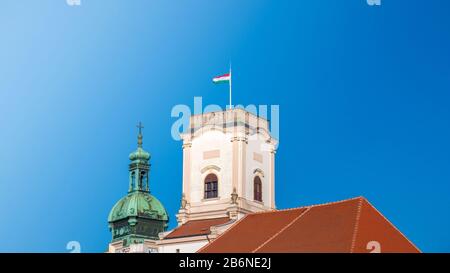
x=140 y=126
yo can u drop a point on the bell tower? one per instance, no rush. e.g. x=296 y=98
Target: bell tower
x=139 y=166
x=228 y=166
x=136 y=220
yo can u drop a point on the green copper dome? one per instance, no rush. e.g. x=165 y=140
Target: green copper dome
x=138 y=204
x=138 y=216
x=140 y=155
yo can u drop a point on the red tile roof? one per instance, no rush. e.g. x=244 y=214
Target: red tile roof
x=196 y=227
x=352 y=225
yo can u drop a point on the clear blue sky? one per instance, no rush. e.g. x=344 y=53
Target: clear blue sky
x=363 y=94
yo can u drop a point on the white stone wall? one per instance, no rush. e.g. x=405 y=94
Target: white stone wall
x=218 y=140
x=236 y=146
x=210 y=141
x=258 y=146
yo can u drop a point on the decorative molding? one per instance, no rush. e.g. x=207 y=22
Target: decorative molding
x=187 y=145
x=237 y=138
x=183 y=201
x=210 y=167
x=211 y=154
x=258 y=157
x=258 y=171
x=210 y=199
x=234 y=197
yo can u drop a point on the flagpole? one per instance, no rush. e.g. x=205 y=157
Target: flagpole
x=230 y=86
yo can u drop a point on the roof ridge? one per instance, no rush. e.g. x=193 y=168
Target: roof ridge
x=206 y=219
x=220 y=235
x=275 y=210
x=310 y=206
x=389 y=222
x=356 y=226
x=337 y=202
x=281 y=230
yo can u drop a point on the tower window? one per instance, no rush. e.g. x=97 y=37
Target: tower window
x=211 y=182
x=143 y=180
x=133 y=180
x=257 y=189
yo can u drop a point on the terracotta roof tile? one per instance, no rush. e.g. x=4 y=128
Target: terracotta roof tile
x=344 y=226
x=374 y=227
x=327 y=228
x=196 y=227
x=252 y=231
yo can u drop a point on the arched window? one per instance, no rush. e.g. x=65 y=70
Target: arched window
x=142 y=180
x=133 y=180
x=211 y=186
x=257 y=189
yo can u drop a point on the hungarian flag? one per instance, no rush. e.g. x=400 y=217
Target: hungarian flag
x=223 y=78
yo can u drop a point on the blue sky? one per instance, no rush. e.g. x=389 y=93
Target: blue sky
x=363 y=94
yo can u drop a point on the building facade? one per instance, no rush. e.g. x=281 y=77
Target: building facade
x=228 y=166
x=228 y=172
x=229 y=185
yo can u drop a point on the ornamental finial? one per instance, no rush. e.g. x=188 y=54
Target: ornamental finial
x=140 y=126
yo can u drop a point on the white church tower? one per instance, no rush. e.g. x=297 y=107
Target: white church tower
x=228 y=172
x=228 y=166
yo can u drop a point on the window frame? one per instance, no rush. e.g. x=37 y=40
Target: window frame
x=257 y=195
x=211 y=187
